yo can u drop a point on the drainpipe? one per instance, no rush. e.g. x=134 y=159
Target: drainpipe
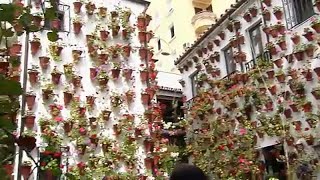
x=23 y=98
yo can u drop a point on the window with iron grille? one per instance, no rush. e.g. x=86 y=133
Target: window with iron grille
x=230 y=62
x=256 y=40
x=297 y=11
x=193 y=79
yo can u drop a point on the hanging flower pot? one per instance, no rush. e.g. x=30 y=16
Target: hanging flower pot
x=247 y=17
x=55 y=77
x=77 y=7
x=307 y=107
x=115 y=73
x=267 y=2
x=35 y=46
x=115 y=31
x=266 y=15
x=145 y=98
x=55 y=24
x=29 y=121
x=116 y=129
x=127 y=73
x=90 y=7
x=148 y=162
x=281 y=78
x=103 y=81
x=316 y=94
x=33 y=76
x=103 y=58
x=76 y=81
x=105 y=115
x=76 y=54
x=310 y=50
x=278 y=13
x=9 y=170
x=290 y=141
x=308 y=35
x=67 y=126
x=282 y=44
x=144 y=75
x=77 y=27
x=294 y=107
x=67 y=97
x=270 y=74
x=299 y=55
x=308 y=75
x=94 y=140
x=104 y=35
x=142 y=36
x=93 y=73
x=278 y=63
x=126 y=50
x=310 y=140
x=15 y=49
x=210 y=46
x=216 y=42
x=274 y=32
x=44 y=62
x=295 y=39
x=30 y=100
x=143 y=53
x=46 y=94
x=129 y=96
x=253 y=11
x=273 y=89
x=240 y=57
x=90 y=100
x=102 y=12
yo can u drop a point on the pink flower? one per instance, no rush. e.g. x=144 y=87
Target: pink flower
x=82 y=130
x=242 y=131
x=242 y=160
x=59 y=107
x=58 y=119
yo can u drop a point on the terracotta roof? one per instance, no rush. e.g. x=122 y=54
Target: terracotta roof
x=223 y=17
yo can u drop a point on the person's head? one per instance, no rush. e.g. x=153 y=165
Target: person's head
x=187 y=172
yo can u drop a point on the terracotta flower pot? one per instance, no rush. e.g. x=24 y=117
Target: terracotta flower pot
x=77 y=7
x=44 y=62
x=274 y=33
x=15 y=49
x=299 y=56
x=143 y=76
x=35 y=46
x=294 y=107
x=281 y=78
x=295 y=39
x=67 y=97
x=247 y=17
x=222 y=35
x=29 y=121
x=253 y=12
x=145 y=98
x=307 y=107
x=142 y=37
x=115 y=73
x=126 y=51
x=290 y=141
x=278 y=63
x=127 y=73
x=77 y=27
x=216 y=42
x=67 y=126
x=76 y=81
x=288 y=113
x=93 y=73
x=270 y=74
x=90 y=100
x=115 y=31
x=148 y=162
x=76 y=55
x=310 y=52
x=283 y=45
x=33 y=77
x=316 y=27
x=141 y=23
x=46 y=94
x=81 y=149
x=55 y=77
x=105 y=115
x=307 y=75
x=55 y=24
x=103 y=81
x=273 y=89
x=267 y=16
x=9 y=170
x=309 y=36
x=278 y=14
x=267 y=2
x=30 y=100
x=104 y=35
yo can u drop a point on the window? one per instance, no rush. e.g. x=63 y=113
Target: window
x=60 y=16
x=297 y=11
x=193 y=79
x=256 y=40
x=230 y=63
x=159 y=44
x=172 y=32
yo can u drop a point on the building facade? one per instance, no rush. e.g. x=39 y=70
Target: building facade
x=89 y=108
x=251 y=88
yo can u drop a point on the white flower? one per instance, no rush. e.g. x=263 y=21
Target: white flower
x=163 y=149
x=173 y=154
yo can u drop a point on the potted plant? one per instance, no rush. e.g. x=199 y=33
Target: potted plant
x=267 y=2
x=27 y=140
x=90 y=7
x=90 y=100
x=127 y=32
x=308 y=34
x=222 y=35
x=25 y=169
x=144 y=72
x=116 y=100
x=280 y=75
x=309 y=49
x=253 y=11
x=104 y=34
x=105 y=115
x=67 y=96
x=47 y=91
x=315 y=24
x=76 y=55
x=44 y=62
x=127 y=73
x=266 y=14
x=130 y=94
x=271 y=48
x=126 y=50
x=55 y=76
x=240 y=56
x=33 y=74
x=115 y=27
x=145 y=98
x=76 y=80
x=281 y=42
x=37 y=19
x=77 y=24
x=77 y=6
x=30 y=99
x=247 y=16
x=295 y=38
x=278 y=12
x=298 y=52
x=103 y=78
x=102 y=12
x=116 y=70
x=29 y=120
x=55 y=50
x=35 y=45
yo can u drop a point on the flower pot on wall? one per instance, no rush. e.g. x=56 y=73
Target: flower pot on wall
x=104 y=35
x=4 y=67
x=247 y=17
x=77 y=27
x=309 y=36
x=25 y=171
x=299 y=55
x=9 y=170
x=127 y=73
x=46 y=94
x=93 y=73
x=103 y=81
x=44 y=62
x=67 y=126
x=266 y=15
x=145 y=98
x=295 y=39
x=33 y=77
x=55 y=77
x=29 y=121
x=55 y=24
x=267 y=2
x=278 y=14
x=115 y=73
x=144 y=75
x=105 y=115
x=30 y=100
x=217 y=42
x=222 y=35
x=15 y=49
x=115 y=31
x=35 y=46
x=90 y=100
x=253 y=11
x=126 y=51
x=77 y=7
x=67 y=97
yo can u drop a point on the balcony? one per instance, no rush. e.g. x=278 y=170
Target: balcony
x=203 y=4
x=202 y=20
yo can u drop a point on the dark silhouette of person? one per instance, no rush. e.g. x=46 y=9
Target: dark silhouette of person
x=187 y=172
